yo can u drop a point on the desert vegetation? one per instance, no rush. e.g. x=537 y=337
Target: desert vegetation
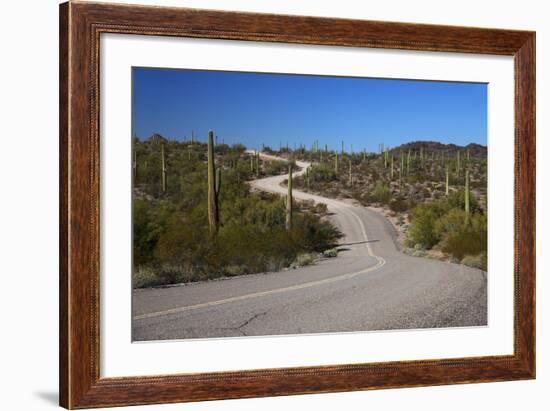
x=196 y=218
x=434 y=194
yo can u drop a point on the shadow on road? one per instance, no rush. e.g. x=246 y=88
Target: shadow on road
x=359 y=242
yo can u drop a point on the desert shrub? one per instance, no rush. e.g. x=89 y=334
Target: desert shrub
x=315 y=234
x=303 y=259
x=470 y=238
x=233 y=270
x=322 y=173
x=319 y=208
x=277 y=167
x=476 y=261
x=381 y=193
x=144 y=276
x=422 y=229
x=399 y=205
x=445 y=222
x=451 y=222
x=456 y=200
x=175 y=274
x=330 y=253
x=150 y=221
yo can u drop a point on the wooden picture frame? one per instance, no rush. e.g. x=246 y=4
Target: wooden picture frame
x=80 y=27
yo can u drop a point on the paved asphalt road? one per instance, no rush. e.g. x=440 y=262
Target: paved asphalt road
x=369 y=286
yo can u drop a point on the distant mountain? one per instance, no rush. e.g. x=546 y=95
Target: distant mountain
x=157 y=138
x=476 y=150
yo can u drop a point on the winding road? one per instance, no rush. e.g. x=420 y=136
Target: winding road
x=371 y=285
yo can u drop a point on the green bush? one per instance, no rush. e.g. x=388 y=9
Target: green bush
x=445 y=222
x=399 y=205
x=476 y=261
x=470 y=238
x=322 y=173
x=381 y=193
x=277 y=167
x=303 y=259
x=144 y=276
x=330 y=253
x=422 y=229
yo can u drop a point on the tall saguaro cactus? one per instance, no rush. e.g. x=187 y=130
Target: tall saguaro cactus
x=467 y=192
x=135 y=166
x=163 y=167
x=446 y=180
x=391 y=167
x=350 y=175
x=288 y=222
x=336 y=163
x=213 y=216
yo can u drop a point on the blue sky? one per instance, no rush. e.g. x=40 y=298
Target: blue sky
x=256 y=108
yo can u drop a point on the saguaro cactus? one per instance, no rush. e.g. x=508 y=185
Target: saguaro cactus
x=342 y=148
x=288 y=222
x=458 y=163
x=391 y=167
x=135 y=166
x=213 y=217
x=409 y=162
x=350 y=175
x=446 y=180
x=400 y=178
x=163 y=168
x=467 y=192
x=336 y=163
x=218 y=183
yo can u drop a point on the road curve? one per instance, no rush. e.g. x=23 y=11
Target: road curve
x=371 y=285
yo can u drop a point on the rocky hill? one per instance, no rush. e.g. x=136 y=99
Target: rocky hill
x=476 y=150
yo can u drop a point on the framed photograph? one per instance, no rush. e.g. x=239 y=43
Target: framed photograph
x=258 y=205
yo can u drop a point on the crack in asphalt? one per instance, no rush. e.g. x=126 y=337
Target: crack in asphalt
x=244 y=324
